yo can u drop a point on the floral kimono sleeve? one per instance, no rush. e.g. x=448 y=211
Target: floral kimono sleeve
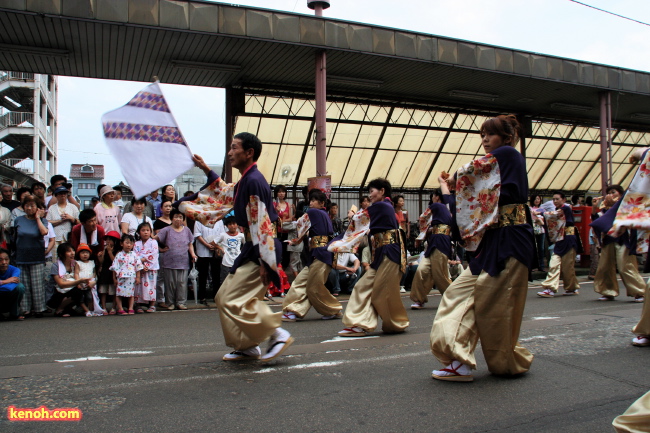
x=359 y=226
x=303 y=224
x=634 y=210
x=478 y=188
x=423 y=223
x=211 y=204
x=261 y=229
x=556 y=221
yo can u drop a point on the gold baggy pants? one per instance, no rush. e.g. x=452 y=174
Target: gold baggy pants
x=612 y=257
x=375 y=295
x=643 y=327
x=308 y=290
x=246 y=320
x=432 y=270
x=636 y=418
x=487 y=308
x=564 y=265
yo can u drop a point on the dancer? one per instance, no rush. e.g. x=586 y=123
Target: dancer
x=433 y=269
x=376 y=294
x=246 y=320
x=617 y=252
x=308 y=289
x=487 y=300
x=562 y=231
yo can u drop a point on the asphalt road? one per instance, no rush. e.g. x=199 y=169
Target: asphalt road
x=163 y=372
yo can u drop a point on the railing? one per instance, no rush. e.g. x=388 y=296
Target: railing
x=9 y=75
x=40 y=172
x=16 y=119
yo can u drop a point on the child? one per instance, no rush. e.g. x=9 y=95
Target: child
x=105 y=277
x=229 y=244
x=65 y=287
x=147 y=250
x=85 y=268
x=126 y=274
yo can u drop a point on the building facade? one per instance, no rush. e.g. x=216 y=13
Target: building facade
x=193 y=179
x=28 y=127
x=85 y=178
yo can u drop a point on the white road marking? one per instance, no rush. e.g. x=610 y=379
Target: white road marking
x=131 y=352
x=348 y=338
x=544 y=318
x=128 y=384
x=89 y=358
x=536 y=337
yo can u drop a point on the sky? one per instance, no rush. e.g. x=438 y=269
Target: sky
x=561 y=28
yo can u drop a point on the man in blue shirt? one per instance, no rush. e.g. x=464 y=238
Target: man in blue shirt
x=11 y=290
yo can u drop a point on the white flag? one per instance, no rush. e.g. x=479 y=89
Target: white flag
x=146 y=141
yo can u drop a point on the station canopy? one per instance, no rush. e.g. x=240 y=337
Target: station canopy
x=401 y=104
x=412 y=145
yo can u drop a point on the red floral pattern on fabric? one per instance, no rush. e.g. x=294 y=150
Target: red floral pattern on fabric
x=556 y=221
x=423 y=223
x=634 y=211
x=359 y=226
x=261 y=229
x=212 y=203
x=478 y=187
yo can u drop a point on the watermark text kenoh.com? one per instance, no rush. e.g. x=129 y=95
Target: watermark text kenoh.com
x=42 y=413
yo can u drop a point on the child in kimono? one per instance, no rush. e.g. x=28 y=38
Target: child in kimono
x=147 y=250
x=126 y=268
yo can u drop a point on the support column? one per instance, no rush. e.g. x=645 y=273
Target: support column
x=321 y=96
x=227 y=168
x=604 y=166
x=321 y=114
x=37 y=109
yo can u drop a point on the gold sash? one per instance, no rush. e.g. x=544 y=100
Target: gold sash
x=440 y=229
x=512 y=215
x=318 y=241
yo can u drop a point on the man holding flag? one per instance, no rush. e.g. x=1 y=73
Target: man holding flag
x=246 y=320
x=146 y=126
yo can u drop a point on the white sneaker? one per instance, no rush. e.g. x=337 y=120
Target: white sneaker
x=278 y=343
x=417 y=306
x=641 y=341
x=454 y=372
x=242 y=355
x=333 y=316
x=402 y=289
x=548 y=293
x=639 y=299
x=606 y=298
x=289 y=316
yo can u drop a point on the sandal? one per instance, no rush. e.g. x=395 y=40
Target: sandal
x=112 y=312
x=151 y=309
x=131 y=312
x=122 y=313
x=451 y=373
x=61 y=313
x=353 y=331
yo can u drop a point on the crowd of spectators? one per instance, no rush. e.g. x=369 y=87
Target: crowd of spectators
x=36 y=228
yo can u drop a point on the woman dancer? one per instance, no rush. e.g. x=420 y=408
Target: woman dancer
x=433 y=269
x=376 y=294
x=487 y=300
